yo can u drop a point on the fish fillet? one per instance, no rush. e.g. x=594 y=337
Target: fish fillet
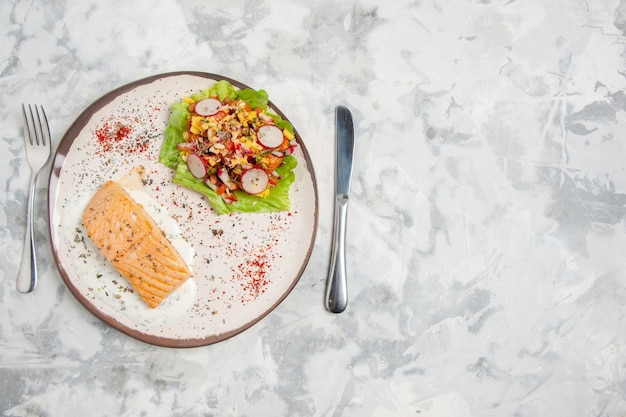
x=132 y=241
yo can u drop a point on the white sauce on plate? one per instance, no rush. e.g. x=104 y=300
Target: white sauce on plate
x=105 y=283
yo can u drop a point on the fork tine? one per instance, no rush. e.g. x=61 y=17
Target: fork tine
x=26 y=123
x=36 y=124
x=45 y=133
x=39 y=137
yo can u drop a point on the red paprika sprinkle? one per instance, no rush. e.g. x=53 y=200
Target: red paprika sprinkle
x=125 y=135
x=122 y=132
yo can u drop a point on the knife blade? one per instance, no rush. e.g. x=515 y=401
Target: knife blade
x=337 y=283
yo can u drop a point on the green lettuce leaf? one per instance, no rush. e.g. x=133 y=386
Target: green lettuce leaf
x=169 y=154
x=220 y=89
x=255 y=99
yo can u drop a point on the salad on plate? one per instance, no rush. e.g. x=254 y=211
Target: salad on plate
x=226 y=144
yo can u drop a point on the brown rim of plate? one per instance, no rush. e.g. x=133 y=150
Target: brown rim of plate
x=57 y=164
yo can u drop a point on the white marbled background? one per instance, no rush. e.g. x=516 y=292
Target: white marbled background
x=487 y=223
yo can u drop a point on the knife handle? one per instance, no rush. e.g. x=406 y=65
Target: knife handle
x=337 y=285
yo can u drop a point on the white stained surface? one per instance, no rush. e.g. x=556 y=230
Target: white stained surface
x=486 y=223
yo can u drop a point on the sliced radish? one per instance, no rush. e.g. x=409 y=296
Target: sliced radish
x=210 y=184
x=224 y=176
x=254 y=181
x=196 y=165
x=265 y=117
x=270 y=136
x=291 y=148
x=208 y=107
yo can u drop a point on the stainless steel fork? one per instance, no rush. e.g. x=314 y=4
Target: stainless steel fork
x=38 y=146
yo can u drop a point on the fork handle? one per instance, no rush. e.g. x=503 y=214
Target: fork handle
x=27 y=275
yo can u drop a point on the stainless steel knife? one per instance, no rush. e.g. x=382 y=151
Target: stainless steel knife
x=337 y=285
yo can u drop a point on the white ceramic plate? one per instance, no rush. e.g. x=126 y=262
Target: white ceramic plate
x=244 y=265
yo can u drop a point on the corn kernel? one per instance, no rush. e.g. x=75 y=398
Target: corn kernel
x=238 y=161
x=242 y=119
x=263 y=193
x=288 y=134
